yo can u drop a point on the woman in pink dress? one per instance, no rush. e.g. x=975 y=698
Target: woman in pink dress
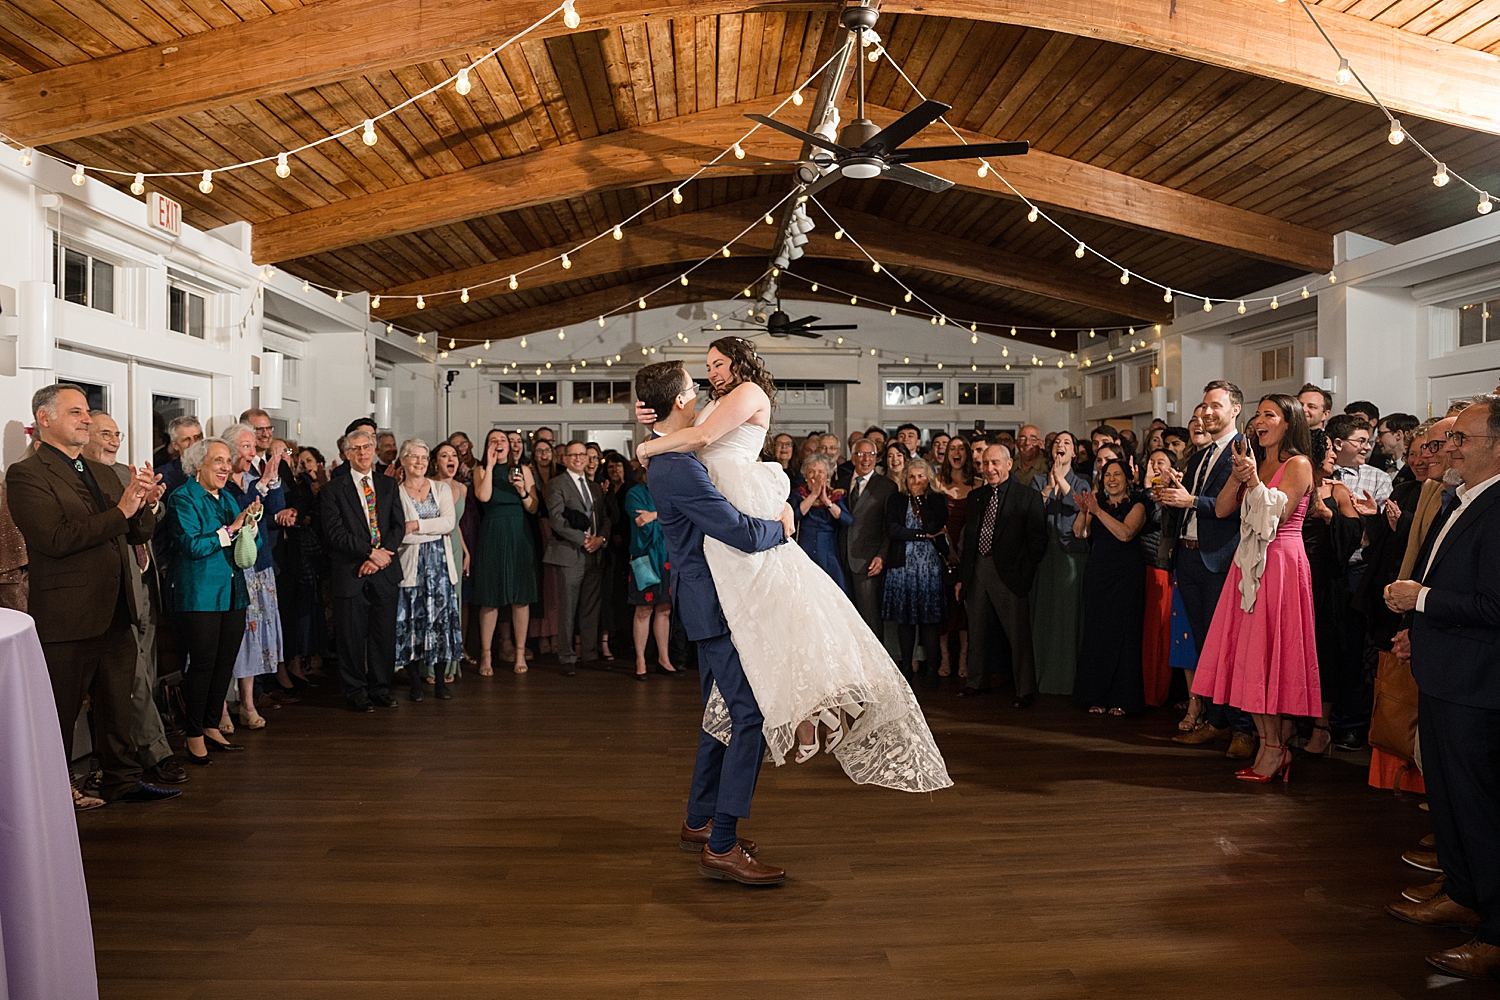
x=1265 y=661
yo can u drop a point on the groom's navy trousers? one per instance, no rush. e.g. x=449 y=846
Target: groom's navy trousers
x=688 y=507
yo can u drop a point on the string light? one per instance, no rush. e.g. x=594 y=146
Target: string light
x=1304 y=291
x=1484 y=203
x=562 y=334
x=1208 y=306
x=1241 y=311
x=26 y=157
x=739 y=151
x=78 y=175
x=854 y=300
x=340 y=296
x=815 y=286
x=138 y=186
x=1032 y=215
x=374 y=303
x=206 y=185
x=462 y=84
x=570 y=16
x=1124 y=277
x=513 y=283
x=683 y=280
x=1440 y=178
x=601 y=322
x=1275 y=302
x=464 y=297
x=618 y=233
x=1397 y=135
x=984 y=169
x=797 y=98
x=523 y=343
x=1168 y=296
x=1344 y=74
x=566 y=263
x=893 y=310
x=677 y=196
x=769 y=220
x=306 y=287
x=370 y=137
x=838 y=235
x=875 y=267
x=486 y=345
x=1082 y=249
x=641 y=302
x=725 y=251
x=452 y=343
x=283 y=168
x=421 y=302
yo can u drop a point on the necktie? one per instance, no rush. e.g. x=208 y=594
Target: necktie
x=1198 y=480
x=374 y=518
x=859 y=487
x=987 y=527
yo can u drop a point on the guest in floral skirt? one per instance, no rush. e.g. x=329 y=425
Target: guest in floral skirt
x=428 y=628
x=915 y=596
x=261 y=648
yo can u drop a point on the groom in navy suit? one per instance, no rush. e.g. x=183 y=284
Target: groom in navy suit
x=687 y=508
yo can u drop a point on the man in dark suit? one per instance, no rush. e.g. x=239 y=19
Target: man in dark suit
x=363 y=525
x=688 y=507
x=1005 y=537
x=580 y=529
x=1452 y=608
x=863 y=542
x=80 y=524
x=1205 y=548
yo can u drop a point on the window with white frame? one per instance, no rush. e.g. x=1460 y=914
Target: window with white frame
x=82 y=278
x=518 y=393
x=1475 y=325
x=601 y=392
x=1106 y=386
x=1276 y=363
x=186 y=309
x=793 y=393
x=986 y=394
x=913 y=393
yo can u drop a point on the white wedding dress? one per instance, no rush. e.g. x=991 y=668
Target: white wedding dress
x=803 y=645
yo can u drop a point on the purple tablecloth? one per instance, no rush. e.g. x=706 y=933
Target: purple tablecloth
x=46 y=940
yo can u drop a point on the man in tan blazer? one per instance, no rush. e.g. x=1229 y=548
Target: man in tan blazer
x=79 y=523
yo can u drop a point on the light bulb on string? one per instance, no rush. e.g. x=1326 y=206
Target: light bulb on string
x=562 y=334
x=1304 y=291
x=421 y=302
x=973 y=338
x=854 y=300
x=443 y=354
x=1168 y=296
x=1124 y=277
x=1082 y=249
x=307 y=287
x=601 y=322
x=1343 y=74
x=1012 y=331
x=872 y=352
x=374 y=303
x=984 y=169
x=283 y=168
x=683 y=281
x=942 y=320
x=78 y=175
x=641 y=302
x=1440 y=178
x=797 y=98
x=677 y=196
x=1332 y=278
x=452 y=343
x=1242 y=307
x=1208 y=306
x=206 y=185
x=839 y=341
x=369 y=138
x=973 y=327
x=1092 y=335
x=523 y=343
x=1275 y=302
x=724 y=251
x=566 y=262
x=513 y=283
x=1484 y=204
x=462 y=84
x=1032 y=215
x=339 y=297
x=1054 y=334
x=770 y=221
x=838 y=234
x=617 y=233
x=775 y=273
x=138 y=186
x=26 y=157
x=815 y=286
x=570 y=16
x=875 y=267
x=932 y=320
x=939 y=366
x=893 y=310
x=547 y=364
x=1005 y=352
x=464 y=295
x=906 y=297
x=739 y=151
x=1397 y=134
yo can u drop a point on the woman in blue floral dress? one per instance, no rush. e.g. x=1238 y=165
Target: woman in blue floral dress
x=915 y=595
x=428 y=629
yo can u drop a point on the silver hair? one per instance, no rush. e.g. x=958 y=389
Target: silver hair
x=356 y=433
x=1008 y=453
x=177 y=423
x=45 y=398
x=917 y=465
x=818 y=458
x=197 y=453
x=1491 y=401
x=231 y=436
x=410 y=445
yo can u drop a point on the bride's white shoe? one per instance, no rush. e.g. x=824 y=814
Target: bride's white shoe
x=807 y=751
x=835 y=730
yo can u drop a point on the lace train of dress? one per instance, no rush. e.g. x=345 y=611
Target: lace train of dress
x=804 y=646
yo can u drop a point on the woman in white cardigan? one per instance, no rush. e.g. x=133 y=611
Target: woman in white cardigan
x=428 y=629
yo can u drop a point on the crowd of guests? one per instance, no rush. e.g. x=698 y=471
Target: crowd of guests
x=1280 y=574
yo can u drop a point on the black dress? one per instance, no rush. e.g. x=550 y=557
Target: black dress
x=1329 y=547
x=1114 y=612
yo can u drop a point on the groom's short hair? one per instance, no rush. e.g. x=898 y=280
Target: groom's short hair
x=658 y=385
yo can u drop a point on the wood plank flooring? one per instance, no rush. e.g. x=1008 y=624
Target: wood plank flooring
x=520 y=841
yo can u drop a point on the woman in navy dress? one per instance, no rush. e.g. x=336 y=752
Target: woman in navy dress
x=820 y=510
x=915 y=599
x=1109 y=675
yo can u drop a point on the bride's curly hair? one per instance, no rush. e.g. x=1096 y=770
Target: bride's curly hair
x=745 y=365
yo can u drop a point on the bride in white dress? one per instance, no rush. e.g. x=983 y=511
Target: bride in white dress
x=808 y=655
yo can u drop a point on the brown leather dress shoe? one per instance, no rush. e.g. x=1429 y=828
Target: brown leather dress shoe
x=1241 y=747
x=1439 y=911
x=1423 y=893
x=1474 y=960
x=1425 y=860
x=695 y=840
x=1429 y=841
x=737 y=866
x=1201 y=735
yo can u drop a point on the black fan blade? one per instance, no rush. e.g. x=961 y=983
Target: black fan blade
x=806 y=320
x=840 y=327
x=797 y=133
x=804 y=333
x=887 y=139
x=916 y=178
x=823 y=183
x=926 y=154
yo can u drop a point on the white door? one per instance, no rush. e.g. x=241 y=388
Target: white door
x=106 y=382
x=161 y=395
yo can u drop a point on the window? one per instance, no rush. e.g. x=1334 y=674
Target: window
x=1107 y=386
x=791 y=393
x=1476 y=327
x=1276 y=363
x=914 y=394
x=514 y=393
x=601 y=392
x=986 y=394
x=185 y=311
x=97 y=395
x=1144 y=380
x=79 y=277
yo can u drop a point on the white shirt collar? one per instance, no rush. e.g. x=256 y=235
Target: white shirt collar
x=1228 y=435
x=1467 y=496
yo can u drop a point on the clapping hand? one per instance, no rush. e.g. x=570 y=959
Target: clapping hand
x=1392 y=514
x=272 y=468
x=1088 y=501
x=1244 y=464
x=287 y=517
x=1171 y=493
x=1365 y=506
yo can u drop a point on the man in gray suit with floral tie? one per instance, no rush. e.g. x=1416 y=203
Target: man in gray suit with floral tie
x=580 y=528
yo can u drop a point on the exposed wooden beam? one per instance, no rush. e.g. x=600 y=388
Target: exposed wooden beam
x=719 y=281
x=684 y=239
x=338 y=39
x=671 y=150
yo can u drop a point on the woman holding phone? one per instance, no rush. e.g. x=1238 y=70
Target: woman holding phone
x=1264 y=660
x=504 y=561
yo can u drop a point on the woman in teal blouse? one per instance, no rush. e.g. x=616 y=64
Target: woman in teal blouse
x=652 y=602
x=206 y=591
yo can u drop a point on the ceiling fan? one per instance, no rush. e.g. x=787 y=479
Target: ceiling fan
x=780 y=325
x=865 y=151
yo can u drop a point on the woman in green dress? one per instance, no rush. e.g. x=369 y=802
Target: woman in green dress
x=1057 y=594
x=445 y=466
x=505 y=562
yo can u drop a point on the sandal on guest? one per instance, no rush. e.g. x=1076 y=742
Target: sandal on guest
x=485 y=670
x=83 y=803
x=226 y=725
x=1097 y=709
x=251 y=720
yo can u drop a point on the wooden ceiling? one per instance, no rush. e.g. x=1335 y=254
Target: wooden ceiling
x=1216 y=175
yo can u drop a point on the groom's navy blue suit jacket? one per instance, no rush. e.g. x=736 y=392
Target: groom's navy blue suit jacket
x=688 y=506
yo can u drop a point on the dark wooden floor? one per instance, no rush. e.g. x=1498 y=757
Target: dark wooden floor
x=520 y=841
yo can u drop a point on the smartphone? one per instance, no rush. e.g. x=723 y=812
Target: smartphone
x=979 y=427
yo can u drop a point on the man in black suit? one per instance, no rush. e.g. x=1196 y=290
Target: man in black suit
x=1005 y=537
x=1452 y=608
x=863 y=542
x=580 y=529
x=363 y=525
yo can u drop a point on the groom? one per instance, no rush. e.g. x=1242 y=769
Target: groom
x=687 y=508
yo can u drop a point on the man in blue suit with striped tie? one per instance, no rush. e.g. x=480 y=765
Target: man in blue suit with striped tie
x=688 y=507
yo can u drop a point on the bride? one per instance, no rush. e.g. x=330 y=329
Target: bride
x=808 y=655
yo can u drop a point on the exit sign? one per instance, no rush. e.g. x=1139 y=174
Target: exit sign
x=163 y=213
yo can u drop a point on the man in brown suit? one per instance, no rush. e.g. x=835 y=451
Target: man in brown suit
x=79 y=523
